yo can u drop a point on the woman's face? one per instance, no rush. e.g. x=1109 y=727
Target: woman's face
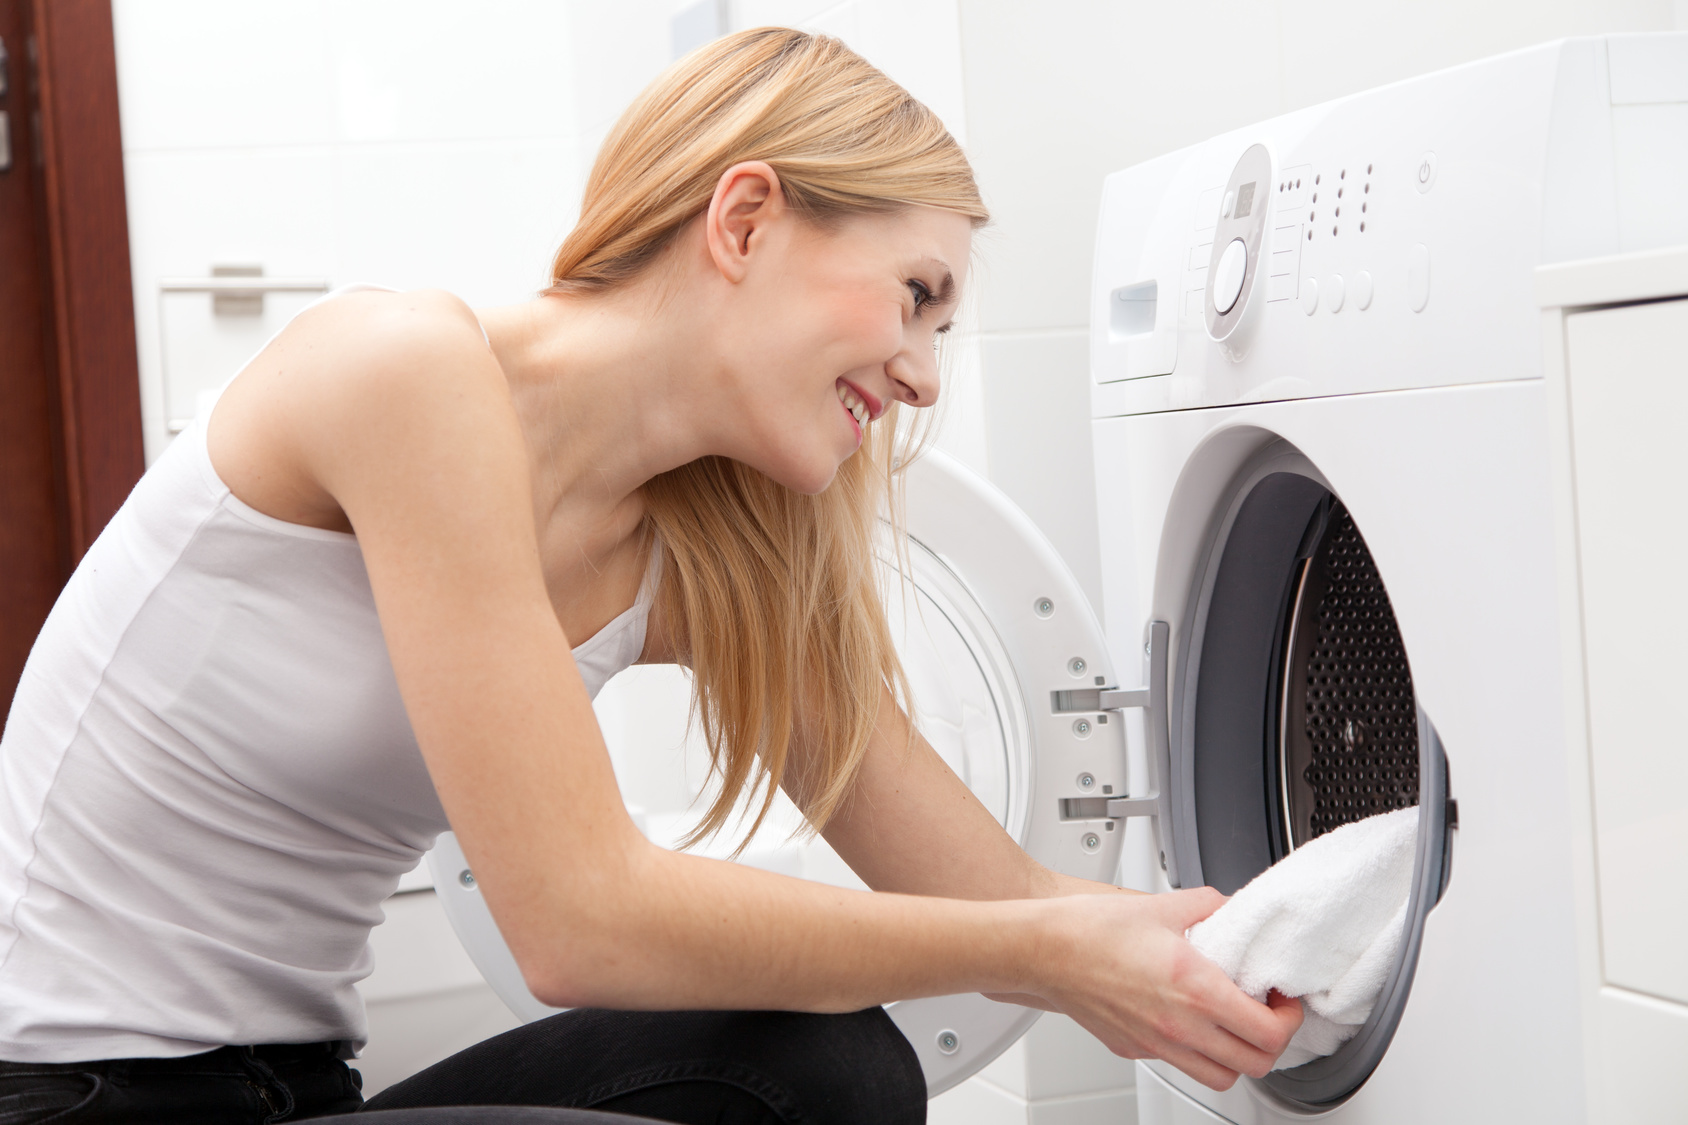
x=831 y=324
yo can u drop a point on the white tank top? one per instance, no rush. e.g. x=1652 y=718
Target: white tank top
x=208 y=783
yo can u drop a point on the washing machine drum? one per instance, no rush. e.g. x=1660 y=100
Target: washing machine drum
x=1295 y=714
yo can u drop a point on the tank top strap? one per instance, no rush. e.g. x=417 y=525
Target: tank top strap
x=653 y=575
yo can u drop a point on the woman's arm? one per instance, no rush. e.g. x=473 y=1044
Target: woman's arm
x=400 y=414
x=910 y=825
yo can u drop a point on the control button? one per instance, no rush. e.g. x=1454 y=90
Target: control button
x=1424 y=172
x=1309 y=296
x=1362 y=290
x=1228 y=276
x=1418 y=277
x=1334 y=292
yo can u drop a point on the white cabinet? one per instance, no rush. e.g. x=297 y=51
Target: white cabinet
x=1628 y=408
x=1618 y=381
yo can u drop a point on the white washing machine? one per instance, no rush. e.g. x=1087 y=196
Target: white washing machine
x=1328 y=542
x=1324 y=467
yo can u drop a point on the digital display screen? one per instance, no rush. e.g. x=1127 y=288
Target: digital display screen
x=1245 y=201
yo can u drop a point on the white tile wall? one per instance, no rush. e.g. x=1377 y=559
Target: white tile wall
x=479 y=217
x=1058 y=1074
x=1036 y=384
x=393 y=141
x=214 y=74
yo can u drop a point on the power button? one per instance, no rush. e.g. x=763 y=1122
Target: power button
x=1424 y=172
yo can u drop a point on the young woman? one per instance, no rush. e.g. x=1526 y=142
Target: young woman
x=336 y=618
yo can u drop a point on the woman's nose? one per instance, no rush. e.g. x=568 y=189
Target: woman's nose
x=914 y=377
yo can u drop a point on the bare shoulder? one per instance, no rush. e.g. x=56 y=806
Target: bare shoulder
x=355 y=383
x=388 y=340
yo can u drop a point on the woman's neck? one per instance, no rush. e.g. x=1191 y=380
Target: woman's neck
x=609 y=396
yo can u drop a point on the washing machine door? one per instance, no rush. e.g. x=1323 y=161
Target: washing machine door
x=1007 y=667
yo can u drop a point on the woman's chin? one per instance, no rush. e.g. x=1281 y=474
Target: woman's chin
x=810 y=477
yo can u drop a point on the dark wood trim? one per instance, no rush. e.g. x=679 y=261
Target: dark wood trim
x=70 y=413
x=34 y=533
x=88 y=248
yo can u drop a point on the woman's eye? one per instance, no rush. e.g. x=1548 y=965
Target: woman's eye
x=922 y=295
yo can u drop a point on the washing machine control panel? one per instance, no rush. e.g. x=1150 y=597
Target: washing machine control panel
x=1238 y=242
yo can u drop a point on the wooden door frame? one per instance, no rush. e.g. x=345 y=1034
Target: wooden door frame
x=70 y=379
x=88 y=247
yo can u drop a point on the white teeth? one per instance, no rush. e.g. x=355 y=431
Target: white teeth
x=854 y=404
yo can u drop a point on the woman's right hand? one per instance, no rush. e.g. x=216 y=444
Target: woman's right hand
x=1120 y=966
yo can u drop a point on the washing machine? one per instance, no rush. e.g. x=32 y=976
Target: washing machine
x=1327 y=529
x=1325 y=486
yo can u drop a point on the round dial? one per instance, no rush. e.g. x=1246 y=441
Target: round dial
x=1238 y=241
x=1228 y=275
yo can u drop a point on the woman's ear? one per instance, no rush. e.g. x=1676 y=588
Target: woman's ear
x=747 y=199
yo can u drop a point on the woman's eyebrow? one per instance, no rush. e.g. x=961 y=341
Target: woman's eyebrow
x=946 y=288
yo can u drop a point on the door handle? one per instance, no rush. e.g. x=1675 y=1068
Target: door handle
x=239 y=290
x=243 y=285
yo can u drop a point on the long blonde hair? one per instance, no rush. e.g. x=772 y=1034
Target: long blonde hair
x=773 y=596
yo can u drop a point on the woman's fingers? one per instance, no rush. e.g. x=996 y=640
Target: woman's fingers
x=1152 y=995
x=1286 y=1008
x=1266 y=1027
x=1200 y=1067
x=1182 y=909
x=1221 y=1024
x=1235 y=1054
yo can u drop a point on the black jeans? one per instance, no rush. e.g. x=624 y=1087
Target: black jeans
x=585 y=1066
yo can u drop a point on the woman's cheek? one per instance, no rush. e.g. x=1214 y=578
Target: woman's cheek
x=875 y=332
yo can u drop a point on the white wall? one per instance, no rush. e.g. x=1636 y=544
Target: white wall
x=410 y=143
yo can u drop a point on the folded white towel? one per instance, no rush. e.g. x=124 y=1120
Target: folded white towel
x=1325 y=924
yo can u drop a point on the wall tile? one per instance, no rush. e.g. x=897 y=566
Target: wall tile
x=215 y=74
x=1037 y=425
x=416 y=951
x=782 y=13
x=1008 y=1070
x=190 y=210
x=437 y=70
x=406 y=1035
x=480 y=218
x=1326 y=54
x=1054 y=105
x=918 y=44
x=1118 y=1108
x=976 y=1102
x=1064 y=1060
x=620 y=47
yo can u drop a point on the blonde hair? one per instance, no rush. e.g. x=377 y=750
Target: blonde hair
x=773 y=595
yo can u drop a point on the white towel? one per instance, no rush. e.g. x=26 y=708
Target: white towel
x=1325 y=924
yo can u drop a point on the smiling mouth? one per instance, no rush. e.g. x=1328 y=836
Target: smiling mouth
x=854 y=404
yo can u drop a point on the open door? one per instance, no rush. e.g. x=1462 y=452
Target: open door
x=1008 y=668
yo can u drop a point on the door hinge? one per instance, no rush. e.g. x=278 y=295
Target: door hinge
x=1152 y=700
